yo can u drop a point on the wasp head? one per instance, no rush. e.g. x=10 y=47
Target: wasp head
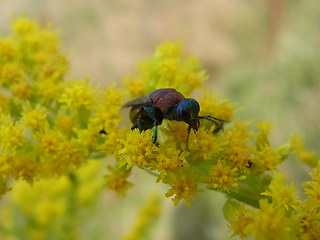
x=188 y=111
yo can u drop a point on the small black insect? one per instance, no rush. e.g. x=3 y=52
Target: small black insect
x=148 y=111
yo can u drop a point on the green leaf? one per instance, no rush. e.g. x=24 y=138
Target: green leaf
x=229 y=208
x=250 y=189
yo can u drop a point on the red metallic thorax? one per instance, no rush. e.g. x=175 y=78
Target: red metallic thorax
x=165 y=98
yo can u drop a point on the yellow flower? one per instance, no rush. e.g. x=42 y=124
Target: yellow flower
x=114 y=96
x=6 y=160
x=138 y=149
x=4 y=104
x=58 y=154
x=169 y=50
x=34 y=118
x=117 y=180
x=241 y=219
x=50 y=141
x=23 y=26
x=204 y=144
x=66 y=124
x=135 y=87
x=22 y=90
x=281 y=195
x=222 y=177
x=51 y=65
x=168 y=159
x=47 y=89
x=313 y=187
x=269 y=222
x=53 y=202
x=265 y=159
x=308 y=221
x=11 y=134
x=212 y=105
x=168 y=68
x=88 y=138
x=178 y=131
x=77 y=95
x=106 y=118
x=183 y=186
x=107 y=115
x=8 y=50
x=72 y=153
x=11 y=73
x=25 y=165
x=298 y=148
x=112 y=143
x=262 y=137
x=235 y=147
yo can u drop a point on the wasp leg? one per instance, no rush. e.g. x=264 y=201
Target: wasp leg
x=187 y=145
x=156 y=115
x=155 y=135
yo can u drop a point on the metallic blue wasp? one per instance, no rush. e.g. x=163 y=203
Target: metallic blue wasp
x=149 y=111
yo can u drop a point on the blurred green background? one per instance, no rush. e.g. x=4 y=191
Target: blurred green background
x=263 y=55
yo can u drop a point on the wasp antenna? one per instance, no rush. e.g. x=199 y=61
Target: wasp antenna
x=212 y=117
x=187 y=145
x=219 y=125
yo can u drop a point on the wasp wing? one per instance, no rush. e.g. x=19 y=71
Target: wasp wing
x=144 y=100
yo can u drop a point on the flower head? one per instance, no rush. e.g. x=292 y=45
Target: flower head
x=168 y=159
x=137 y=150
x=282 y=195
x=117 y=181
x=11 y=134
x=241 y=219
x=222 y=176
x=34 y=118
x=269 y=222
x=77 y=95
x=183 y=186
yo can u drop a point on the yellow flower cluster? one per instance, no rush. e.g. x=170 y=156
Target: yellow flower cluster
x=51 y=128
x=284 y=215
x=52 y=207
x=167 y=68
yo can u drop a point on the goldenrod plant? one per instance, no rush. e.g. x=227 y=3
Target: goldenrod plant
x=50 y=130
